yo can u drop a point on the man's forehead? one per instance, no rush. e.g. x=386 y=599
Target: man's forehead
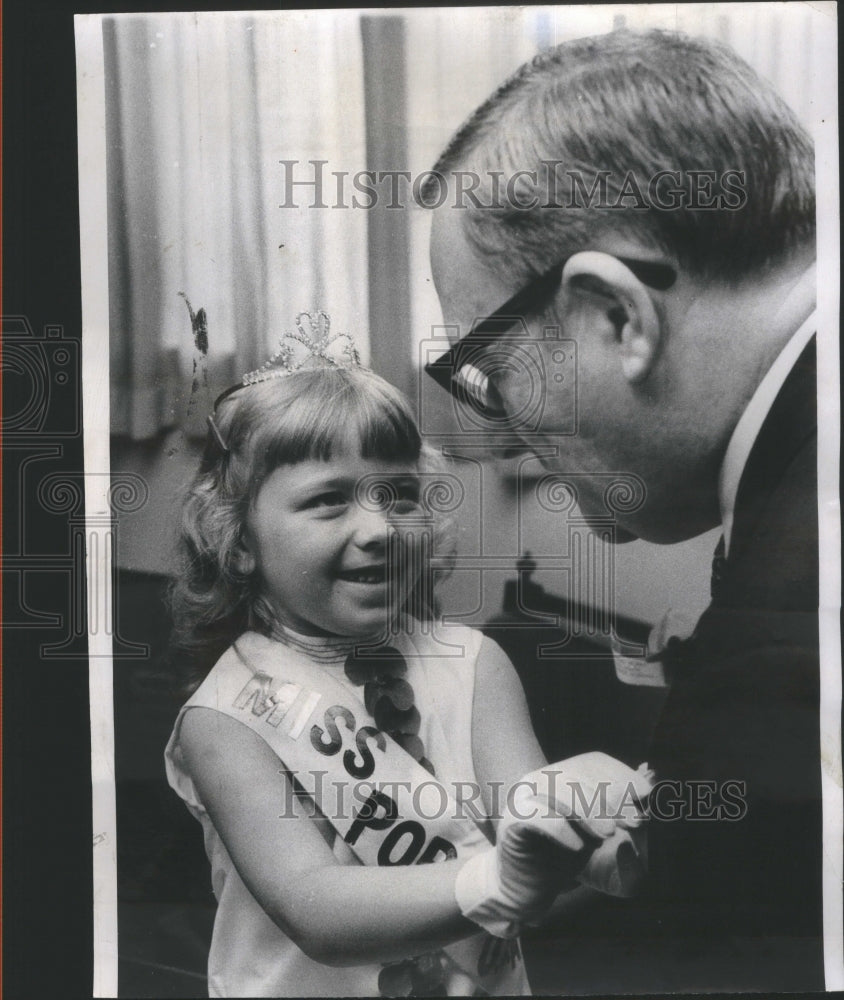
x=467 y=287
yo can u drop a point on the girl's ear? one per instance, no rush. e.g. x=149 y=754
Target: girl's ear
x=622 y=304
x=243 y=558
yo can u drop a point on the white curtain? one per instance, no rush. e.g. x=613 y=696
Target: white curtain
x=201 y=110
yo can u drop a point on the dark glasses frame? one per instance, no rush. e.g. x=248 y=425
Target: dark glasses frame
x=445 y=369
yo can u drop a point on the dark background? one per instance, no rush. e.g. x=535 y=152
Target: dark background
x=46 y=760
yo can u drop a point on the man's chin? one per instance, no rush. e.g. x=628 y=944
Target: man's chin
x=620 y=536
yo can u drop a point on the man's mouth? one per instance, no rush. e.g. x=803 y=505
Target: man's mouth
x=365 y=574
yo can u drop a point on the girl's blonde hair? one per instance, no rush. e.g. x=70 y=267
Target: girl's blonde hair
x=308 y=415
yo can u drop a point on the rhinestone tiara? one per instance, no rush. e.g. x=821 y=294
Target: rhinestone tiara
x=311 y=345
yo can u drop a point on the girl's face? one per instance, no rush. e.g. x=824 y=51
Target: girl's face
x=321 y=556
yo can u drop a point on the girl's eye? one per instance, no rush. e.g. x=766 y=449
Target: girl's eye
x=409 y=491
x=329 y=499
x=407 y=501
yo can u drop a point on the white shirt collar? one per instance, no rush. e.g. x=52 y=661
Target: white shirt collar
x=750 y=424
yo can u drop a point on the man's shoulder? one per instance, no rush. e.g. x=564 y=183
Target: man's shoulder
x=775 y=559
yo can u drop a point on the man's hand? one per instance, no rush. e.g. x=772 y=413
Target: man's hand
x=556 y=821
x=602 y=796
x=594 y=789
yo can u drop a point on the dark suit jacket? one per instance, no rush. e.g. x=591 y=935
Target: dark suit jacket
x=736 y=903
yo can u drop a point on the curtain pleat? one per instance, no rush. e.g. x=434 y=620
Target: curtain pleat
x=387 y=125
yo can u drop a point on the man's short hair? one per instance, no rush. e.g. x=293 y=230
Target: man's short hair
x=674 y=140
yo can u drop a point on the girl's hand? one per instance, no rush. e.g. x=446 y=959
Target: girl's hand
x=537 y=854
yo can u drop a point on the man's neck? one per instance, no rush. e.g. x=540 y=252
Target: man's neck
x=739 y=332
x=728 y=337
x=752 y=420
x=799 y=303
x=782 y=305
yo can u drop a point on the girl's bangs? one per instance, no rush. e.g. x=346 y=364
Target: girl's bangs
x=315 y=415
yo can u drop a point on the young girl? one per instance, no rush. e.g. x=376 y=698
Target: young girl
x=343 y=758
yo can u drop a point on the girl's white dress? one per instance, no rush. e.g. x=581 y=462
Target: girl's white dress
x=250 y=956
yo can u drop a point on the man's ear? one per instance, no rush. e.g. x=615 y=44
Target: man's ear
x=628 y=307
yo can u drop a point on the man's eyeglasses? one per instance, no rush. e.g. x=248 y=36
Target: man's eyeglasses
x=466 y=370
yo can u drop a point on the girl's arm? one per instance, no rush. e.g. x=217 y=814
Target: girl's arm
x=337 y=914
x=504 y=747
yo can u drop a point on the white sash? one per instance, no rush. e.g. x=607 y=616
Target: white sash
x=386 y=807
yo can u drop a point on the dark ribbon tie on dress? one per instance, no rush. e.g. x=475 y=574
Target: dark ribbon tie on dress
x=390 y=700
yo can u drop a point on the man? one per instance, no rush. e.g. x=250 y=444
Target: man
x=652 y=198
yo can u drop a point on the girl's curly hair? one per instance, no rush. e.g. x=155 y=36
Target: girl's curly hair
x=307 y=415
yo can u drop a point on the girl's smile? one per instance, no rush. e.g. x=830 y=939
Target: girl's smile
x=374 y=574
x=323 y=557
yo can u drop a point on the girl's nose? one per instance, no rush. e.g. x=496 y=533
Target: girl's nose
x=370 y=527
